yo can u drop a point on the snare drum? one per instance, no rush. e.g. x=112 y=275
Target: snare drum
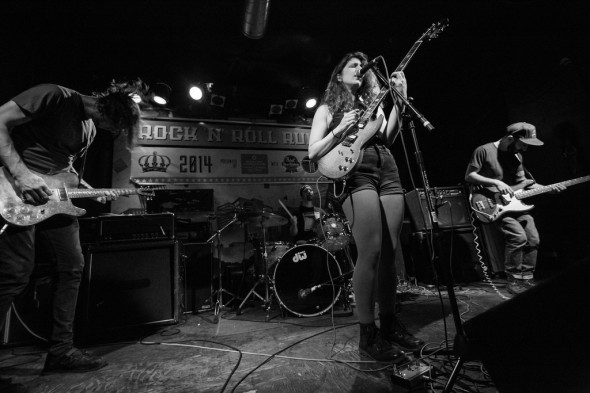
x=275 y=250
x=334 y=232
x=303 y=280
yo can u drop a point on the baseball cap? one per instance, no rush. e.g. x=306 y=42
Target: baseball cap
x=525 y=132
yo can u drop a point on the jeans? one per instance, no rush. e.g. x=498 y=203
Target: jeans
x=57 y=242
x=521 y=242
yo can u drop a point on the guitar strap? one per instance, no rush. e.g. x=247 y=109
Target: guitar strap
x=84 y=155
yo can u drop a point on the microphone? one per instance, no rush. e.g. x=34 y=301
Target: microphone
x=303 y=293
x=367 y=67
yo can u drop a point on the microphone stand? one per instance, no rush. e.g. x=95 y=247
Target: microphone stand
x=435 y=247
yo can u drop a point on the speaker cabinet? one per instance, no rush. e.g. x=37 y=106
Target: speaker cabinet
x=450 y=204
x=537 y=341
x=129 y=285
x=457 y=250
x=197 y=276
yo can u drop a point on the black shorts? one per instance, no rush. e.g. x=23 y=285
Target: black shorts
x=377 y=171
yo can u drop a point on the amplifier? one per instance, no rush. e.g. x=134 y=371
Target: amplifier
x=450 y=204
x=125 y=228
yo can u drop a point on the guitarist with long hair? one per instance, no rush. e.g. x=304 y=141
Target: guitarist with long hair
x=373 y=201
x=43 y=130
x=500 y=165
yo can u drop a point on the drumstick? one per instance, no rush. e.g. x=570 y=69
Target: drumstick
x=286 y=210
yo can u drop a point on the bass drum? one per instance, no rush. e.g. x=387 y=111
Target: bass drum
x=303 y=280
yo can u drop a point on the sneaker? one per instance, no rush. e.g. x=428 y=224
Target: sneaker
x=529 y=283
x=7 y=386
x=73 y=361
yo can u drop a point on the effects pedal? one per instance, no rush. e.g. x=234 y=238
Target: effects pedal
x=410 y=374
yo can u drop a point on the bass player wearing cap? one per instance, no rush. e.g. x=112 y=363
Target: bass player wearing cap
x=500 y=164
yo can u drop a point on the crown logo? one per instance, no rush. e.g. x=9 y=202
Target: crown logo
x=154 y=163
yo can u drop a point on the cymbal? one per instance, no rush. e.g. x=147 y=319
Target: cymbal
x=268 y=219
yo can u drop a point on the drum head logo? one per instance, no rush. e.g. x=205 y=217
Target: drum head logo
x=300 y=256
x=290 y=163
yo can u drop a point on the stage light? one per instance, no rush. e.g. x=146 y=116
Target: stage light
x=161 y=93
x=136 y=98
x=196 y=93
x=291 y=104
x=311 y=103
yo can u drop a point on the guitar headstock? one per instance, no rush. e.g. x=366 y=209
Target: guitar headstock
x=436 y=28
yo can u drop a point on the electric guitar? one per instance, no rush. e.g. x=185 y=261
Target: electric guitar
x=343 y=158
x=490 y=204
x=14 y=211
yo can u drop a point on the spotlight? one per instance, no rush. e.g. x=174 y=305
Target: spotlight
x=275 y=109
x=217 y=100
x=161 y=93
x=136 y=98
x=311 y=103
x=196 y=93
x=291 y=104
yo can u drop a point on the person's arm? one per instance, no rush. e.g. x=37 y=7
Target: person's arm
x=293 y=228
x=320 y=140
x=475 y=178
x=33 y=188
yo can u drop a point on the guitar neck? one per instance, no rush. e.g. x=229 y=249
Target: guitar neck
x=95 y=192
x=544 y=189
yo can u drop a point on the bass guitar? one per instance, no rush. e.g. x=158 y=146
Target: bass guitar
x=63 y=186
x=343 y=158
x=489 y=204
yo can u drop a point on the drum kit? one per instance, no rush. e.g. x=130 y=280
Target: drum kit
x=306 y=279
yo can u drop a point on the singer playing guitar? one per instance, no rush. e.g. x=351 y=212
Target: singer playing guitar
x=373 y=200
x=500 y=164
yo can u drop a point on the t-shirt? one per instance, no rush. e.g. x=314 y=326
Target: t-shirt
x=489 y=161
x=59 y=131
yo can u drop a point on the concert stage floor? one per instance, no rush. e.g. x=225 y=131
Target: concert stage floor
x=246 y=353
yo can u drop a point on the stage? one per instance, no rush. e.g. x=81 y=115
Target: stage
x=274 y=352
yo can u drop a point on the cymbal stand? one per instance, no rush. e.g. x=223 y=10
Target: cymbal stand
x=220 y=290
x=262 y=279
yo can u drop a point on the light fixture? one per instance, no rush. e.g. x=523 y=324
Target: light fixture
x=311 y=103
x=275 y=110
x=196 y=93
x=291 y=104
x=161 y=93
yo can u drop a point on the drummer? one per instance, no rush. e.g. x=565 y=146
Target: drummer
x=304 y=223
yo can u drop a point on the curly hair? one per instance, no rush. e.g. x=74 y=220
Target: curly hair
x=338 y=98
x=117 y=106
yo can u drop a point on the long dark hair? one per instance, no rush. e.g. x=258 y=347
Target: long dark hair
x=116 y=104
x=338 y=98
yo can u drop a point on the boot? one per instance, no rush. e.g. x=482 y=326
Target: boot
x=373 y=345
x=396 y=333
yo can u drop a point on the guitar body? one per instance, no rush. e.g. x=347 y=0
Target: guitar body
x=489 y=206
x=343 y=159
x=16 y=212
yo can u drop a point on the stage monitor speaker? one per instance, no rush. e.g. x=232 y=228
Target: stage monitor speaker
x=450 y=204
x=129 y=285
x=537 y=341
x=197 y=276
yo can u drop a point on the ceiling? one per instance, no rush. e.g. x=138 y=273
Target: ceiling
x=488 y=43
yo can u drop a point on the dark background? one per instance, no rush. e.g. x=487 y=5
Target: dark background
x=498 y=62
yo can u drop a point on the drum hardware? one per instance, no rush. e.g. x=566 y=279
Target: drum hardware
x=334 y=232
x=220 y=291
x=266 y=220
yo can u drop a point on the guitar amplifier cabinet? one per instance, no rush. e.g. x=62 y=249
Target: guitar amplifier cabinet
x=128 y=285
x=126 y=228
x=450 y=203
